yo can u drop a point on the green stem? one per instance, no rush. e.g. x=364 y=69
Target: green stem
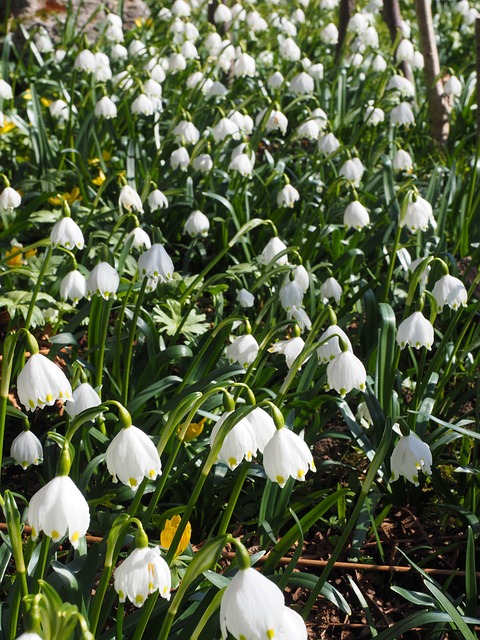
x=131 y=338
x=38 y=284
x=391 y=266
x=42 y=562
x=132 y=510
x=367 y=485
x=147 y=612
x=3 y=416
x=232 y=500
x=102 y=338
x=100 y=597
x=119 y=624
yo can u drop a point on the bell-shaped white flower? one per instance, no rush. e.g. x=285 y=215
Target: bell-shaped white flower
x=453 y=87
x=245 y=299
x=374 y=115
x=66 y=233
x=352 y=170
x=244 y=66
x=346 y=372
x=329 y=34
x=143 y=105
x=132 y=456
x=263 y=426
x=243 y=350
x=84 y=397
x=291 y=349
x=291 y=295
x=41 y=383
x=402 y=115
x=239 y=443
x=286 y=455
x=6 y=92
x=29 y=636
x=179 y=159
x=58 y=507
x=275 y=80
x=26 y=449
x=289 y=50
x=405 y=51
x=379 y=64
x=404 y=87
x=157 y=200
x=252 y=607
x=273 y=247
x=73 y=286
x=356 y=216
x=415 y=331
x=293 y=626
x=10 y=199
x=302 y=84
x=449 y=291
x=103 y=281
x=402 y=161
x=186 y=132
x=301 y=317
x=141 y=239
x=243 y=164
x=203 y=163
x=301 y=277
x=418 y=215
x=197 y=224
x=105 y=108
x=85 y=61
x=315 y=71
x=287 y=196
x=140 y=574
x=410 y=456
x=156 y=263
x=129 y=199
x=331 y=348
x=309 y=130
x=331 y=289
x=328 y=144
x=224 y=129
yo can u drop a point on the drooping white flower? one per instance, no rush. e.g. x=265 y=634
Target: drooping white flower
x=291 y=295
x=402 y=161
x=423 y=277
x=60 y=110
x=244 y=66
x=291 y=349
x=129 y=199
x=402 y=85
x=84 y=397
x=245 y=299
x=136 y=48
x=243 y=350
x=352 y=170
x=410 y=456
x=329 y=34
x=226 y=128
x=379 y=63
x=346 y=372
x=286 y=455
x=300 y=315
x=179 y=159
x=239 y=443
x=277 y=121
x=328 y=144
x=293 y=626
x=73 y=286
x=374 y=115
x=156 y=263
x=405 y=51
x=222 y=14
x=10 y=199
x=263 y=426
x=85 y=61
x=302 y=84
x=450 y=291
x=331 y=348
x=252 y=607
x=140 y=574
x=105 y=108
x=418 y=215
x=301 y=277
x=143 y=105
x=197 y=224
x=102 y=71
x=309 y=130
x=132 y=456
x=26 y=449
x=402 y=115
x=103 y=281
x=243 y=121
x=29 y=636
x=275 y=80
x=273 y=247
x=186 y=132
x=41 y=383
x=203 y=163
x=453 y=87
x=66 y=233
x=331 y=289
x=157 y=200
x=58 y=507
x=415 y=331
x=356 y=216
x=141 y=239
x=290 y=50
x=241 y=163
x=287 y=196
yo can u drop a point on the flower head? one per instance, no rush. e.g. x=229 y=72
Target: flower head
x=67 y=233
x=410 y=456
x=156 y=263
x=415 y=331
x=132 y=456
x=41 y=383
x=197 y=224
x=10 y=199
x=239 y=443
x=450 y=291
x=291 y=349
x=263 y=426
x=243 y=350
x=129 y=199
x=168 y=533
x=418 y=215
x=286 y=455
x=346 y=372
x=140 y=574
x=293 y=626
x=73 y=286
x=356 y=216
x=26 y=449
x=103 y=281
x=331 y=348
x=245 y=299
x=84 y=397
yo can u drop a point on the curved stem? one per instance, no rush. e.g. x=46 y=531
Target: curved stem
x=38 y=284
x=391 y=266
x=102 y=338
x=131 y=338
x=232 y=500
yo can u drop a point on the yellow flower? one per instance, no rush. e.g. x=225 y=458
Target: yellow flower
x=69 y=196
x=106 y=155
x=100 y=179
x=193 y=431
x=27 y=95
x=140 y=22
x=15 y=255
x=46 y=102
x=7 y=127
x=168 y=533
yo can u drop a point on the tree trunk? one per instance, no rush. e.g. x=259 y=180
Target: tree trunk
x=347 y=7
x=438 y=105
x=393 y=18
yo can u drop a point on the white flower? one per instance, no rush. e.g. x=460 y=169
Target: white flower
x=156 y=263
x=66 y=233
x=102 y=67
x=291 y=295
x=363 y=414
x=356 y=216
x=379 y=64
x=181 y=8
x=244 y=66
x=132 y=456
x=103 y=281
x=402 y=85
x=287 y=456
x=203 y=163
x=118 y=52
x=331 y=289
x=157 y=200
x=41 y=383
x=143 y=105
x=405 y=51
x=179 y=159
x=273 y=247
x=243 y=350
x=352 y=170
x=423 y=276
x=197 y=224
x=301 y=277
x=84 y=397
x=29 y=636
x=129 y=199
x=105 y=108
x=241 y=163
x=85 y=61
x=329 y=34
x=302 y=84
x=287 y=196
x=418 y=61
x=402 y=161
x=136 y=48
x=10 y=199
x=300 y=315
x=263 y=426
x=5 y=90
x=328 y=144
x=309 y=130
x=275 y=80
x=141 y=239
x=252 y=607
x=277 y=121
x=140 y=574
x=239 y=443
x=402 y=115
x=415 y=331
x=60 y=110
x=418 y=215
x=346 y=372
x=73 y=286
x=374 y=115
x=26 y=449
x=289 y=50
x=57 y=507
x=449 y=291
x=291 y=349
x=293 y=626
x=453 y=87
x=226 y=128
x=243 y=121
x=245 y=299
x=331 y=348
x=410 y=456
x=186 y=133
